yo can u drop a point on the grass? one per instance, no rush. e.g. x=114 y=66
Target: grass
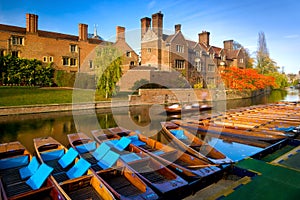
x=18 y=96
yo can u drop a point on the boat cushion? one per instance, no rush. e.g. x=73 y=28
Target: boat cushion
x=158 y=152
x=179 y=134
x=136 y=141
x=52 y=155
x=79 y=169
x=68 y=158
x=30 y=169
x=288 y=129
x=39 y=177
x=122 y=143
x=83 y=148
x=130 y=157
x=14 y=162
x=111 y=142
x=101 y=151
x=108 y=160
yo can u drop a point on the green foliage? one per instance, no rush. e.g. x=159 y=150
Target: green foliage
x=109 y=71
x=64 y=79
x=281 y=80
x=19 y=71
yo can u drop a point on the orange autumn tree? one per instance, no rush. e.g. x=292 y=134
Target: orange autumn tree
x=235 y=78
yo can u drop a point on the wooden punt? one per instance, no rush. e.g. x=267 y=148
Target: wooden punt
x=187 y=166
x=177 y=109
x=76 y=185
x=121 y=180
x=13 y=157
x=231 y=130
x=161 y=179
x=193 y=145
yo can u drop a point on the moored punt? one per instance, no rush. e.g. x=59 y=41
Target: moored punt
x=193 y=145
x=222 y=131
x=22 y=176
x=176 y=108
x=120 y=179
x=155 y=174
x=71 y=173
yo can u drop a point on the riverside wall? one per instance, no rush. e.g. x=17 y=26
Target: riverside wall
x=144 y=97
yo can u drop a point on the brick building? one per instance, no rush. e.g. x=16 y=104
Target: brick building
x=66 y=52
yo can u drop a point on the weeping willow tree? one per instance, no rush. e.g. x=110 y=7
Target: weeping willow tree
x=108 y=69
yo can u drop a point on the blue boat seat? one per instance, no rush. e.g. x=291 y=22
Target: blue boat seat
x=136 y=141
x=52 y=155
x=130 y=157
x=122 y=143
x=101 y=151
x=83 y=148
x=79 y=169
x=39 y=177
x=30 y=169
x=17 y=161
x=68 y=158
x=288 y=129
x=179 y=134
x=108 y=160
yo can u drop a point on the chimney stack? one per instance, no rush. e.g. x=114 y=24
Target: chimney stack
x=120 y=33
x=31 y=23
x=83 y=32
x=228 y=44
x=157 y=24
x=177 y=28
x=204 y=38
x=145 y=25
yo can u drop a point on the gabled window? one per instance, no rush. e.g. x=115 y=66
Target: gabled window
x=128 y=54
x=179 y=48
x=211 y=68
x=241 y=60
x=197 y=53
x=73 y=47
x=17 y=40
x=198 y=65
x=91 y=64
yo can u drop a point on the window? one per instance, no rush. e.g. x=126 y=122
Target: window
x=179 y=64
x=66 y=61
x=131 y=63
x=73 y=61
x=241 y=60
x=15 y=53
x=128 y=54
x=149 y=50
x=197 y=53
x=210 y=81
x=17 y=40
x=211 y=68
x=179 y=48
x=50 y=59
x=91 y=64
x=45 y=59
x=2 y=52
x=198 y=66
x=73 y=48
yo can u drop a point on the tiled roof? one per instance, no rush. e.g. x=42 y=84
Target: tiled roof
x=14 y=29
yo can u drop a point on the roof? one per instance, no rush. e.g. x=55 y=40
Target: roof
x=231 y=54
x=15 y=29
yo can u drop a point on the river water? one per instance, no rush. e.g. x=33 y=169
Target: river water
x=146 y=119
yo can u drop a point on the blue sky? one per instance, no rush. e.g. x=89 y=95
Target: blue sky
x=240 y=20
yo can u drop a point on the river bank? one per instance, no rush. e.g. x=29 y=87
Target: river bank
x=144 y=97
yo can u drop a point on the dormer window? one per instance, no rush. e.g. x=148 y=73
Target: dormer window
x=179 y=48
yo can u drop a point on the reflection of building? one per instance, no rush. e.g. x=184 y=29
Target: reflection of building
x=66 y=52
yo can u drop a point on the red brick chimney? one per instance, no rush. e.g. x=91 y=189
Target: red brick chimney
x=228 y=44
x=83 y=32
x=145 y=25
x=204 y=38
x=120 y=33
x=157 y=24
x=31 y=23
x=177 y=28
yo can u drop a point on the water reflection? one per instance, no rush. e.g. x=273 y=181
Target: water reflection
x=144 y=118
